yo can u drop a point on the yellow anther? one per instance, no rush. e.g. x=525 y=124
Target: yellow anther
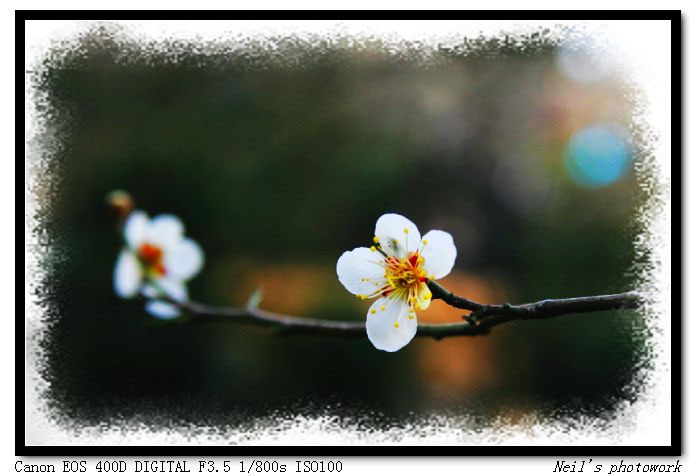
x=396 y=324
x=381 y=308
x=373 y=311
x=362 y=279
x=425 y=242
x=421 y=259
x=411 y=316
x=428 y=296
x=375 y=239
x=372 y=248
x=405 y=230
x=396 y=242
x=362 y=296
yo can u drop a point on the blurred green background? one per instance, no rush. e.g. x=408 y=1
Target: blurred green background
x=525 y=156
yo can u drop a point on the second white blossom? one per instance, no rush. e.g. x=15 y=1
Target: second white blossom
x=157 y=261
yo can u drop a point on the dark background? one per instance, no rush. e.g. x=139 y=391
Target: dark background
x=278 y=163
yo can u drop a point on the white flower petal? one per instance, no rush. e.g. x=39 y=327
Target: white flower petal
x=439 y=253
x=150 y=291
x=389 y=327
x=164 y=287
x=172 y=288
x=424 y=297
x=361 y=271
x=162 y=310
x=165 y=230
x=397 y=234
x=127 y=275
x=135 y=229
x=183 y=259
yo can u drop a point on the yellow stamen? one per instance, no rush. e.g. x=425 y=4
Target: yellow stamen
x=381 y=308
x=372 y=248
x=425 y=242
x=375 y=239
x=372 y=311
x=411 y=316
x=396 y=324
x=405 y=230
x=405 y=278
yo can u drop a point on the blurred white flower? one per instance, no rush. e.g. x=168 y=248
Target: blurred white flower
x=156 y=261
x=396 y=269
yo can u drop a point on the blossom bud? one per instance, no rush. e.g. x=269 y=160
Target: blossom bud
x=120 y=204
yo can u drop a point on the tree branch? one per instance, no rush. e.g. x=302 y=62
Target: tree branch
x=481 y=320
x=539 y=309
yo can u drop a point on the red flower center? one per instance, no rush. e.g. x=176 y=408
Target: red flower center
x=152 y=258
x=405 y=275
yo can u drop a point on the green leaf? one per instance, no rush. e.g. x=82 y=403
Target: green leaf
x=254 y=299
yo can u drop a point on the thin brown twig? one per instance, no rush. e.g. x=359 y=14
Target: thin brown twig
x=481 y=320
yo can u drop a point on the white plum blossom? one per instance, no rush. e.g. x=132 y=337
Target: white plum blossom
x=396 y=270
x=156 y=261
